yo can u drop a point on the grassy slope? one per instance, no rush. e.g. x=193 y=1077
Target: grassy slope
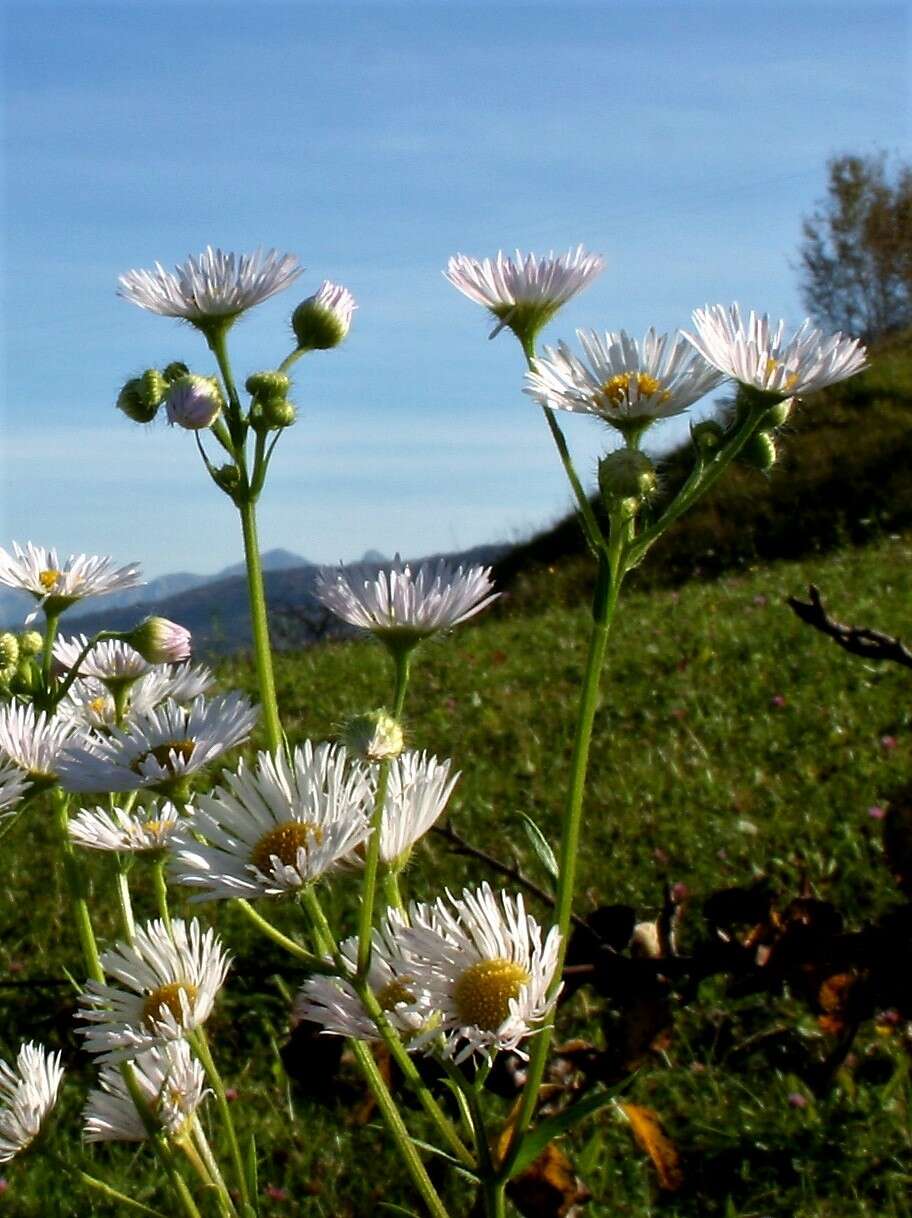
x=700 y=774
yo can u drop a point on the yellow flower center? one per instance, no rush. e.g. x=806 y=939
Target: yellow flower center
x=163 y=755
x=617 y=388
x=99 y=705
x=49 y=579
x=394 y=992
x=484 y=990
x=154 y=826
x=283 y=842
x=167 y=998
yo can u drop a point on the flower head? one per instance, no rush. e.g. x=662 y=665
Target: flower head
x=171 y=981
x=124 y=832
x=28 y=1092
x=759 y=357
x=160 y=749
x=89 y=703
x=324 y=319
x=13 y=784
x=56 y=584
x=624 y=382
x=161 y=641
x=32 y=742
x=484 y=967
x=194 y=402
x=111 y=661
x=400 y=603
x=275 y=828
x=170 y=1079
x=523 y=292
x=418 y=788
x=214 y=286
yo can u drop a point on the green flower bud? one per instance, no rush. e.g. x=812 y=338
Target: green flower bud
x=323 y=320
x=373 y=736
x=30 y=643
x=194 y=402
x=278 y=413
x=153 y=388
x=227 y=477
x=708 y=436
x=777 y=415
x=133 y=402
x=268 y=385
x=9 y=651
x=175 y=371
x=160 y=641
x=759 y=452
x=626 y=474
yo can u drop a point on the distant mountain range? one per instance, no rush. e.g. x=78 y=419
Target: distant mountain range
x=214 y=607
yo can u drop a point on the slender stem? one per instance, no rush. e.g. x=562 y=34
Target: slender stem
x=201 y=1047
x=610 y=574
x=101 y=637
x=495 y=1204
x=123 y=897
x=50 y=634
x=161 y=892
x=217 y=340
x=157 y=1139
x=404 y=1143
x=290 y=359
x=106 y=1190
x=78 y=887
x=315 y=963
x=402 y=661
x=391 y=893
x=196 y=1161
x=260 y=626
x=205 y=1150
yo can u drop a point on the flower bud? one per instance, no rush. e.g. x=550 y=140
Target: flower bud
x=373 y=736
x=626 y=474
x=323 y=320
x=30 y=642
x=194 y=402
x=268 y=385
x=708 y=436
x=9 y=651
x=278 y=413
x=133 y=401
x=759 y=452
x=175 y=371
x=778 y=415
x=153 y=388
x=160 y=641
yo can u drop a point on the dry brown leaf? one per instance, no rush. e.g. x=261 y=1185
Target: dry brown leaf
x=651 y=1137
x=550 y=1188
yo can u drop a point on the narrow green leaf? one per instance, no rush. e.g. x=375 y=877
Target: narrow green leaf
x=250 y=1171
x=552 y=1127
x=451 y=1159
x=539 y=844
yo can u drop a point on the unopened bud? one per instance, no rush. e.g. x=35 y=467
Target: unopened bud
x=278 y=413
x=153 y=387
x=160 y=641
x=778 y=414
x=373 y=736
x=194 y=402
x=30 y=643
x=9 y=651
x=132 y=400
x=175 y=371
x=708 y=436
x=626 y=474
x=323 y=320
x=759 y=452
x=268 y=385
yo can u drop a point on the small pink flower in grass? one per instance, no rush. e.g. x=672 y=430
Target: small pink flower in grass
x=778 y=701
x=876 y=812
x=888 y=743
x=276 y=1194
x=4 y=1185
x=679 y=892
x=661 y=856
x=797 y=1100
x=231 y=1094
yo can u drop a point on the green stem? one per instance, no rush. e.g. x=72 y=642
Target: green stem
x=205 y=1150
x=610 y=574
x=237 y=428
x=391 y=893
x=201 y=1048
x=50 y=634
x=260 y=626
x=161 y=892
x=107 y=1191
x=78 y=888
x=102 y=637
x=157 y=1139
x=315 y=963
x=290 y=359
x=211 y=1189
x=123 y=897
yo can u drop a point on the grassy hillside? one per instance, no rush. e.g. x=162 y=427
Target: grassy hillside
x=842 y=478
x=730 y=742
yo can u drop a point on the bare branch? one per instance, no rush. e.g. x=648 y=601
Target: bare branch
x=858 y=640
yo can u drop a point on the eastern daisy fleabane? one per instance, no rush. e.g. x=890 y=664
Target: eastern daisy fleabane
x=194 y=402
x=624 y=382
x=158 y=750
x=112 y=661
x=418 y=788
x=28 y=1092
x=333 y=1003
x=170 y=1079
x=89 y=702
x=56 y=584
x=13 y=785
x=756 y=353
x=33 y=742
x=324 y=319
x=161 y=641
x=171 y=981
x=485 y=967
x=402 y=603
x=125 y=832
x=214 y=286
x=272 y=829
x=523 y=292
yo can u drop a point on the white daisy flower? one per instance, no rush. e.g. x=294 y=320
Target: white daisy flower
x=401 y=604
x=758 y=356
x=333 y=1003
x=56 y=584
x=418 y=788
x=91 y=705
x=172 y=1082
x=33 y=742
x=113 y=662
x=171 y=982
x=13 y=785
x=214 y=285
x=484 y=967
x=275 y=828
x=324 y=319
x=160 y=749
x=28 y=1092
x=114 y=829
x=526 y=291
x=626 y=383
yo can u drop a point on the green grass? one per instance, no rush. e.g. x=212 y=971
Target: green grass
x=731 y=741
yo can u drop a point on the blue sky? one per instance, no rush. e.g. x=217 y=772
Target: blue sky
x=682 y=141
